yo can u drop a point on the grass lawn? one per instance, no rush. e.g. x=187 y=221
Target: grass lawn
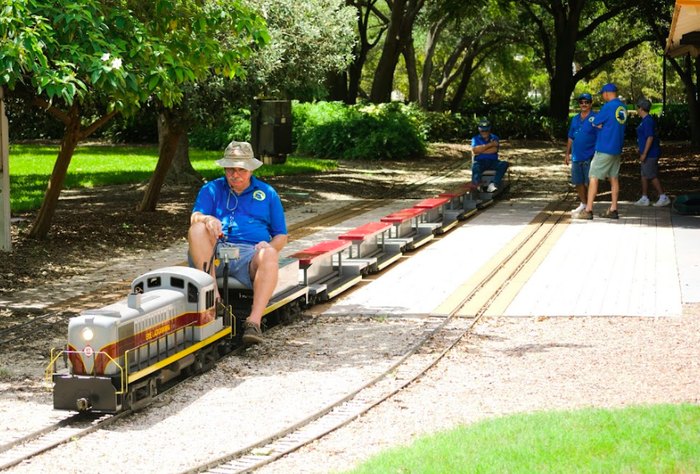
x=648 y=439
x=101 y=165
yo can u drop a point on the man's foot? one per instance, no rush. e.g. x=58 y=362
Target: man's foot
x=581 y=207
x=251 y=334
x=610 y=214
x=491 y=188
x=663 y=201
x=587 y=215
x=643 y=201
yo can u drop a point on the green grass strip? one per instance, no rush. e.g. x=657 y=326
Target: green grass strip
x=647 y=439
x=102 y=165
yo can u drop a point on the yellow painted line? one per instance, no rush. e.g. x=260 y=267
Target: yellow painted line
x=506 y=296
x=489 y=293
x=472 y=288
x=175 y=357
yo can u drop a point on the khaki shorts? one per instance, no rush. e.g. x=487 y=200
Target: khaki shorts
x=604 y=166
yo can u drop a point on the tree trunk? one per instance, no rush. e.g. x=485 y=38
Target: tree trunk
x=355 y=75
x=172 y=131
x=337 y=84
x=461 y=89
x=409 y=55
x=431 y=43
x=561 y=86
x=71 y=137
x=383 y=81
x=181 y=170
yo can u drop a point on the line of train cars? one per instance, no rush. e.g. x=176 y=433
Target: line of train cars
x=119 y=356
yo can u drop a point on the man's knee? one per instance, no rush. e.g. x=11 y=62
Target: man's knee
x=198 y=232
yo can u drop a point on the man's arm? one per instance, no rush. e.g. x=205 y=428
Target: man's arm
x=490 y=147
x=647 y=146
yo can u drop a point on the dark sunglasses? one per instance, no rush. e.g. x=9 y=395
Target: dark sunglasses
x=584 y=101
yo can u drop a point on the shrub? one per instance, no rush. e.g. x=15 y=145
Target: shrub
x=376 y=132
x=234 y=126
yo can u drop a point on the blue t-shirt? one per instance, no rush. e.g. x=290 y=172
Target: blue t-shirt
x=583 y=135
x=256 y=215
x=611 y=137
x=646 y=129
x=479 y=140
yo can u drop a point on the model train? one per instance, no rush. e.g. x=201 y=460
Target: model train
x=119 y=356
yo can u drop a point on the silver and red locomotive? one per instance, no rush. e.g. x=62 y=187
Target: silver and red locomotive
x=117 y=356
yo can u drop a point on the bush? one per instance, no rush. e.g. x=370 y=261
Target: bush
x=375 y=132
x=234 y=126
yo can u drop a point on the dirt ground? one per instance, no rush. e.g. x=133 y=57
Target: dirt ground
x=91 y=225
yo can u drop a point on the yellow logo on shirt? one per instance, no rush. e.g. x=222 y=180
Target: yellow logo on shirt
x=621 y=115
x=259 y=195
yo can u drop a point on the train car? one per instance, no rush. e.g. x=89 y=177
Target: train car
x=117 y=356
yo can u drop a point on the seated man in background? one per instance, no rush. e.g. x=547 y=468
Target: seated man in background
x=485 y=150
x=239 y=209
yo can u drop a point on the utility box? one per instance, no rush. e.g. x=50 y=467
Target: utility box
x=271 y=130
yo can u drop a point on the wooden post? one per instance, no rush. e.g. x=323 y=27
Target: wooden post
x=5 y=235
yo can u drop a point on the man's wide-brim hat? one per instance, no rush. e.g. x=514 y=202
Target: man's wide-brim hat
x=239 y=155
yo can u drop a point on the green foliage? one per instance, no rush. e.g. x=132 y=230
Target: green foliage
x=100 y=165
x=308 y=40
x=125 y=51
x=235 y=125
x=513 y=119
x=375 y=132
x=652 y=439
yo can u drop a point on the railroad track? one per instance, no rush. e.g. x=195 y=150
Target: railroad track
x=66 y=429
x=75 y=426
x=487 y=293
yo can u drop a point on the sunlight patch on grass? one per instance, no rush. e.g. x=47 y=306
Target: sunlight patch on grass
x=651 y=439
x=101 y=165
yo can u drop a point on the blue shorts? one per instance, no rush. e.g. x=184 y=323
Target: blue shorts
x=579 y=172
x=238 y=268
x=650 y=168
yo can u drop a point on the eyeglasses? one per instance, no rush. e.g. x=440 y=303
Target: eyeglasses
x=584 y=101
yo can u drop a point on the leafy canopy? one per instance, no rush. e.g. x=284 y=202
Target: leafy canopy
x=123 y=49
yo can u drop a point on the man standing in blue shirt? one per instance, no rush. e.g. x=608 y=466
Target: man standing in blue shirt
x=610 y=122
x=485 y=150
x=581 y=141
x=240 y=209
x=649 y=153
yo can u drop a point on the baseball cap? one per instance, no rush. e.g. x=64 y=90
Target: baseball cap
x=609 y=87
x=484 y=125
x=585 y=96
x=644 y=104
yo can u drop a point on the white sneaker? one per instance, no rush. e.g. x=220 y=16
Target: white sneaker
x=491 y=188
x=663 y=201
x=580 y=208
x=643 y=201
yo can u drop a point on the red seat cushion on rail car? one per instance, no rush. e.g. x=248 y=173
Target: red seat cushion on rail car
x=432 y=203
x=366 y=230
x=327 y=247
x=404 y=215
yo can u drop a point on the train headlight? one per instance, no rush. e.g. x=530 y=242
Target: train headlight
x=87 y=334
